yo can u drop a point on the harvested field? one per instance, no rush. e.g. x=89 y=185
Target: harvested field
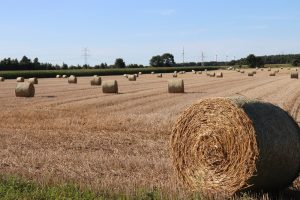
x=115 y=142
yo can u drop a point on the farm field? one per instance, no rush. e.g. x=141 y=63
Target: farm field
x=115 y=142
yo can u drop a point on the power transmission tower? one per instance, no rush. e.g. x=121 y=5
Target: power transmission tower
x=85 y=56
x=216 y=57
x=183 y=55
x=202 y=59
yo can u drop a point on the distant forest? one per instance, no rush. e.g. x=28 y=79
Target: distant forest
x=156 y=61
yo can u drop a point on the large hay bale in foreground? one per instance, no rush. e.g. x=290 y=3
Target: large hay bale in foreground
x=25 y=90
x=224 y=146
x=96 y=80
x=2 y=79
x=294 y=75
x=33 y=80
x=72 y=79
x=20 y=79
x=176 y=86
x=132 y=78
x=110 y=86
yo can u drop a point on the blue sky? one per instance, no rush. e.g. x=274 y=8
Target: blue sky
x=57 y=31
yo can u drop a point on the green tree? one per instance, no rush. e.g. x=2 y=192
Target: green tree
x=295 y=62
x=25 y=61
x=156 y=61
x=254 y=61
x=119 y=63
x=65 y=66
x=168 y=60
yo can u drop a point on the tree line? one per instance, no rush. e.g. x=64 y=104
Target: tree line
x=27 y=64
x=164 y=60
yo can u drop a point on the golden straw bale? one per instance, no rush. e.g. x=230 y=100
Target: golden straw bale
x=20 y=79
x=25 y=89
x=72 y=79
x=176 y=86
x=231 y=145
x=110 y=86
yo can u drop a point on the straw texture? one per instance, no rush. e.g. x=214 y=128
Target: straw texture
x=224 y=146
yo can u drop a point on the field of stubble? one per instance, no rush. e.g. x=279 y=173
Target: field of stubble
x=108 y=142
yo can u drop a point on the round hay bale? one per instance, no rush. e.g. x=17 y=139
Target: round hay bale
x=269 y=69
x=20 y=79
x=110 y=86
x=175 y=75
x=65 y=76
x=125 y=75
x=159 y=75
x=25 y=90
x=152 y=72
x=72 y=79
x=254 y=72
x=219 y=75
x=272 y=74
x=288 y=68
x=294 y=75
x=226 y=146
x=2 y=79
x=33 y=80
x=140 y=73
x=261 y=69
x=132 y=78
x=238 y=70
x=58 y=76
x=213 y=74
x=242 y=71
x=96 y=80
x=281 y=68
x=277 y=71
x=199 y=72
x=136 y=75
x=95 y=75
x=176 y=86
x=250 y=74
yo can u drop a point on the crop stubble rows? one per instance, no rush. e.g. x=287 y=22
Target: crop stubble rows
x=113 y=142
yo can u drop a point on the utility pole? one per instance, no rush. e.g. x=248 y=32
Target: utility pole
x=85 y=55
